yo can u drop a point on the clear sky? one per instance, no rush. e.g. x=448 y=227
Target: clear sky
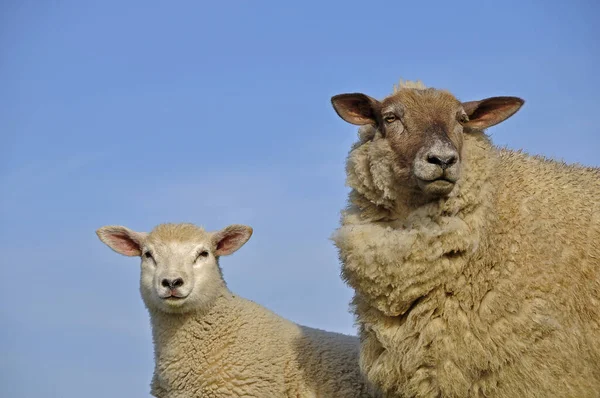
x=142 y=112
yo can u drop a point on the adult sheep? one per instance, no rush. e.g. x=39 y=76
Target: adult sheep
x=476 y=269
x=211 y=343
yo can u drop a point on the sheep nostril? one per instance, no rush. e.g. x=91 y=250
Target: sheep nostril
x=177 y=283
x=434 y=160
x=172 y=283
x=443 y=162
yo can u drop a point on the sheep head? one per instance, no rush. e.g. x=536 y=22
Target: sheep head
x=179 y=270
x=424 y=128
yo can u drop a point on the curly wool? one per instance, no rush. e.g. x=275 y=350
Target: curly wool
x=240 y=349
x=494 y=291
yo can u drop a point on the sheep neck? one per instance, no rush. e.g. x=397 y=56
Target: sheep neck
x=180 y=338
x=394 y=255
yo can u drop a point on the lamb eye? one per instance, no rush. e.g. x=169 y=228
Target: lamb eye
x=203 y=253
x=389 y=118
x=463 y=118
x=148 y=255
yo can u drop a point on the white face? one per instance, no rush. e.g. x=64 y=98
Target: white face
x=175 y=274
x=179 y=270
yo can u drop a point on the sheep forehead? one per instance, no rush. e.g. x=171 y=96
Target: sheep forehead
x=178 y=233
x=425 y=105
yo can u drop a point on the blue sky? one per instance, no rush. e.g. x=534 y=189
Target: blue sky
x=138 y=113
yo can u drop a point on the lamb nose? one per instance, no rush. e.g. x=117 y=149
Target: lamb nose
x=172 y=283
x=442 y=161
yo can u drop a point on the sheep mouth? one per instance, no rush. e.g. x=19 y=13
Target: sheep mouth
x=173 y=298
x=438 y=187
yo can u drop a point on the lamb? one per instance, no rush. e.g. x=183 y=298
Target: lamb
x=476 y=270
x=208 y=342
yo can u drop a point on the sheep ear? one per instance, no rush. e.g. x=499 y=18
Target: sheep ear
x=230 y=239
x=356 y=108
x=122 y=240
x=491 y=111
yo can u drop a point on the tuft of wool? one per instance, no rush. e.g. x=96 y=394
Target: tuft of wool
x=402 y=84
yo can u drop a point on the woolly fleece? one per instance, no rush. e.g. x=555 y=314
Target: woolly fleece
x=241 y=349
x=491 y=292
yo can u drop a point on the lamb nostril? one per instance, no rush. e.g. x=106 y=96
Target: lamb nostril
x=177 y=283
x=172 y=283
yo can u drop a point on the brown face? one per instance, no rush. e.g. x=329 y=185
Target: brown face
x=425 y=130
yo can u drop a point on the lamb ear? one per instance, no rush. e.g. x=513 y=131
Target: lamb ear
x=230 y=239
x=356 y=108
x=122 y=240
x=491 y=111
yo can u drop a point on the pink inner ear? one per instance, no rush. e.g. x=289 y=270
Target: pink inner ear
x=222 y=244
x=124 y=244
x=230 y=243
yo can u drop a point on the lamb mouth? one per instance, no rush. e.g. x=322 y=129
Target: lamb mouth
x=173 y=298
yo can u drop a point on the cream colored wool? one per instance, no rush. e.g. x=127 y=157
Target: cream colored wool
x=222 y=345
x=491 y=292
x=241 y=349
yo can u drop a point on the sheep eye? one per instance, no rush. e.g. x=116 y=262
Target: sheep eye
x=463 y=118
x=148 y=255
x=389 y=118
x=203 y=253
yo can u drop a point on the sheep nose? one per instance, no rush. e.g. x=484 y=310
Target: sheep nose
x=172 y=283
x=444 y=160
